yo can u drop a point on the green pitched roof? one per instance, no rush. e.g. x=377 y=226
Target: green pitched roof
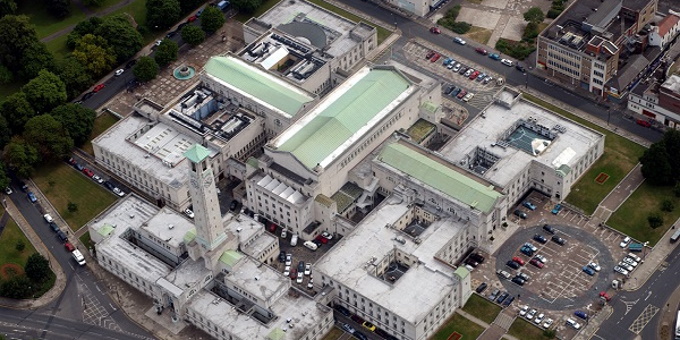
x=105 y=230
x=258 y=84
x=197 y=153
x=230 y=257
x=462 y=272
x=440 y=176
x=339 y=120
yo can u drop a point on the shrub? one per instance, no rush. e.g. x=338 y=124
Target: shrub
x=667 y=205
x=460 y=27
x=530 y=32
x=515 y=49
x=20 y=246
x=655 y=220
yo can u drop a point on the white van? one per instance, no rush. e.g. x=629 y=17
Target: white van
x=311 y=245
x=506 y=62
x=48 y=218
x=293 y=240
x=78 y=257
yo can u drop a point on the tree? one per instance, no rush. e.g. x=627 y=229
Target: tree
x=212 y=19
x=17 y=35
x=87 y=26
x=4 y=179
x=247 y=6
x=7 y=7
x=20 y=246
x=193 y=35
x=187 y=5
x=17 y=111
x=655 y=220
x=72 y=207
x=48 y=136
x=145 y=69
x=36 y=57
x=534 y=14
x=94 y=3
x=77 y=119
x=45 y=92
x=667 y=205
x=162 y=14
x=58 y=8
x=656 y=167
x=37 y=268
x=20 y=157
x=120 y=36
x=166 y=52
x=5 y=134
x=17 y=287
x=74 y=75
x=94 y=53
x=6 y=75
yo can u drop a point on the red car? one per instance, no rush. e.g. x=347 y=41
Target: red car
x=644 y=123
x=461 y=94
x=429 y=55
x=88 y=172
x=322 y=239
x=69 y=247
x=518 y=260
x=536 y=263
x=293 y=274
x=435 y=30
x=435 y=57
x=98 y=88
x=481 y=51
x=474 y=75
x=192 y=18
x=272 y=227
x=605 y=296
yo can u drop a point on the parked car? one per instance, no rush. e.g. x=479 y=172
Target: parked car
x=435 y=30
x=523 y=311
x=531 y=246
x=308 y=269
x=48 y=218
x=523 y=276
x=625 y=242
x=310 y=245
x=481 y=287
x=526 y=251
x=61 y=236
x=507 y=62
x=481 y=51
x=88 y=172
x=634 y=257
x=289 y=259
x=541 y=258
x=536 y=263
x=559 y=240
x=119 y=72
x=97 y=179
x=468 y=72
x=118 y=192
x=556 y=210
x=512 y=264
x=518 y=280
x=294 y=240
x=321 y=239
x=347 y=328
x=518 y=260
x=531 y=313
x=605 y=296
x=468 y=97
x=581 y=314
x=539 y=318
x=494 y=294
x=284 y=233
x=69 y=247
x=357 y=319
x=473 y=75
x=369 y=326
x=504 y=274
x=327 y=235
x=282 y=256
x=588 y=270
x=596 y=267
x=293 y=274
x=521 y=214
x=529 y=205
x=435 y=57
x=540 y=238
x=54 y=227
x=8 y=190
x=31 y=197
x=548 y=322
x=494 y=56
x=508 y=301
x=109 y=185
x=477 y=257
x=429 y=55
x=520 y=68
x=549 y=228
x=461 y=94
x=626 y=266
x=460 y=41
x=644 y=123
x=98 y=88
x=502 y=297
x=462 y=70
x=575 y=325
x=456 y=68
x=621 y=270
x=342 y=310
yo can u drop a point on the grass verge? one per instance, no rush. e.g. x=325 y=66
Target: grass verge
x=86 y=240
x=479 y=34
x=620 y=156
x=525 y=331
x=101 y=123
x=9 y=239
x=62 y=184
x=45 y=23
x=58 y=47
x=631 y=217
x=481 y=308
x=460 y=324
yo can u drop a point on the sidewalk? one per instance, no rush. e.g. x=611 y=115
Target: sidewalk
x=594 y=323
x=652 y=259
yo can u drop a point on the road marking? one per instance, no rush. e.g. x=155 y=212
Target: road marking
x=643 y=319
x=648 y=295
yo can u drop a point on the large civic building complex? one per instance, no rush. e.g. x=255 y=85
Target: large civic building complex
x=584 y=45
x=337 y=158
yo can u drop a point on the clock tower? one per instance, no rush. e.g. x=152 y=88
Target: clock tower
x=207 y=216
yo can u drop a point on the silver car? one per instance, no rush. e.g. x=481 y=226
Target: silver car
x=626 y=266
x=456 y=68
x=620 y=270
x=630 y=261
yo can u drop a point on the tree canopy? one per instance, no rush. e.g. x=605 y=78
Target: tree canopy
x=146 y=69
x=87 y=26
x=166 y=52
x=20 y=157
x=37 y=268
x=247 y=6
x=193 y=35
x=17 y=111
x=74 y=75
x=45 y=92
x=58 y=8
x=17 y=39
x=534 y=14
x=94 y=53
x=7 y=7
x=48 y=136
x=162 y=14
x=123 y=39
x=212 y=19
x=660 y=163
x=78 y=120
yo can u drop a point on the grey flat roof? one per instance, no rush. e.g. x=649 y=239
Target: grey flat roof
x=260 y=281
x=187 y=274
x=169 y=226
x=434 y=280
x=485 y=130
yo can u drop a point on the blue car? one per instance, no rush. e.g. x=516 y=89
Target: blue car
x=529 y=205
x=581 y=314
x=494 y=56
x=527 y=251
x=556 y=209
x=31 y=197
x=588 y=271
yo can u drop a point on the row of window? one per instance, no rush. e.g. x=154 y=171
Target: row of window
x=370 y=140
x=563 y=69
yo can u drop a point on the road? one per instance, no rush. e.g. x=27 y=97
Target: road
x=629 y=306
x=83 y=299
x=411 y=29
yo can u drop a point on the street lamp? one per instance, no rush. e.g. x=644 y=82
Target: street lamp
x=526 y=80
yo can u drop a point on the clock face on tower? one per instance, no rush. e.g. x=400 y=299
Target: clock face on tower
x=194 y=183
x=207 y=181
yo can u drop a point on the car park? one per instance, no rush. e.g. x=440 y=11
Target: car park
x=521 y=214
x=98 y=179
x=620 y=270
x=539 y=318
x=530 y=315
x=494 y=56
x=494 y=294
x=596 y=267
x=31 y=197
x=507 y=62
x=518 y=280
x=536 y=263
x=558 y=240
x=575 y=325
x=581 y=314
x=48 y=218
x=481 y=288
x=518 y=260
x=626 y=266
x=529 y=205
x=541 y=258
x=540 y=238
x=460 y=41
x=556 y=210
x=624 y=243
x=502 y=297
x=549 y=228
x=548 y=322
x=588 y=270
x=512 y=264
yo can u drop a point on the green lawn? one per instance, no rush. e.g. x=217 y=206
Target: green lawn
x=86 y=240
x=334 y=334
x=12 y=235
x=62 y=184
x=620 y=156
x=101 y=123
x=482 y=308
x=631 y=218
x=460 y=324
x=525 y=331
x=45 y=23
x=58 y=47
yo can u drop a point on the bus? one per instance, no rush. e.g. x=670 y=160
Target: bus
x=677 y=327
